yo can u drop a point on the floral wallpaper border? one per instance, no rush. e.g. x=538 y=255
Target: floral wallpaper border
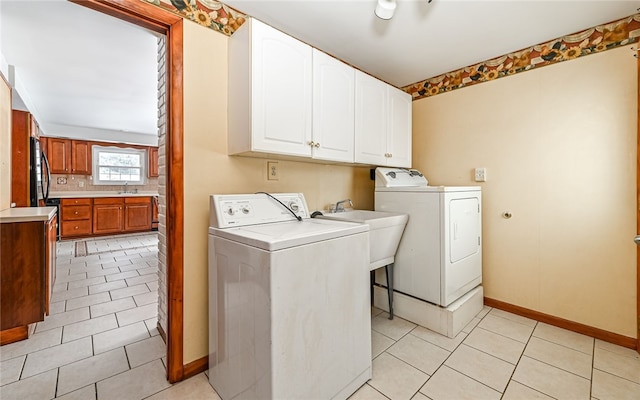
x=210 y=13
x=224 y=19
x=589 y=41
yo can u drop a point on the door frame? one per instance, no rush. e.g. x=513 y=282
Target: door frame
x=158 y=20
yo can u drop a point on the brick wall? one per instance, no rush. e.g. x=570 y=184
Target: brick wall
x=162 y=186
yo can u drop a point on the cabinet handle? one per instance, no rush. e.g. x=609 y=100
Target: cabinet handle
x=76 y=213
x=316 y=145
x=75 y=227
x=312 y=143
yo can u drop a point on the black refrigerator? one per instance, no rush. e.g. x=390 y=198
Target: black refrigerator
x=39 y=175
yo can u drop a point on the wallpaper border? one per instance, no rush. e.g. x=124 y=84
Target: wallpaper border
x=209 y=13
x=589 y=41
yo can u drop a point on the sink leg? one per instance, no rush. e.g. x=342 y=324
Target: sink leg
x=372 y=280
x=388 y=269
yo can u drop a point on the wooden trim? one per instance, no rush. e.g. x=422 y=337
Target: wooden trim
x=174 y=163
x=163 y=335
x=597 y=333
x=134 y=11
x=195 y=367
x=14 y=334
x=161 y=21
x=638 y=209
x=21 y=158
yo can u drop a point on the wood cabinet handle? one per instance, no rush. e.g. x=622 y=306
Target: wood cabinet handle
x=76 y=213
x=75 y=227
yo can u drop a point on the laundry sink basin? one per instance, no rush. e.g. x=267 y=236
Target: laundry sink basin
x=385 y=232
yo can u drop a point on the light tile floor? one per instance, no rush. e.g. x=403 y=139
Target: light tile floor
x=101 y=341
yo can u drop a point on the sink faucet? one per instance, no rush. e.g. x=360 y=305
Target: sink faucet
x=125 y=187
x=341 y=203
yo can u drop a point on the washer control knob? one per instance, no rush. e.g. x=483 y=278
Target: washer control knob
x=294 y=206
x=245 y=210
x=230 y=211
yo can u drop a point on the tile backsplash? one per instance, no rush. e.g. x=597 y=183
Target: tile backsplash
x=79 y=183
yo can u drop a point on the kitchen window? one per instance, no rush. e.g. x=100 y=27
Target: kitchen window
x=118 y=165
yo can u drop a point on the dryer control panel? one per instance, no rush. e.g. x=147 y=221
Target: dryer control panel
x=399 y=177
x=230 y=210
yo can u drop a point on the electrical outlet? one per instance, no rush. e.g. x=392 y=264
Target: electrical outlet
x=481 y=174
x=61 y=180
x=81 y=183
x=272 y=171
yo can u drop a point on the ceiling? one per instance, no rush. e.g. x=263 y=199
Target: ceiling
x=80 y=70
x=424 y=40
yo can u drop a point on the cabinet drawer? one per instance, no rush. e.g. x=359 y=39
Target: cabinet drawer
x=76 y=202
x=137 y=200
x=76 y=228
x=108 y=200
x=70 y=213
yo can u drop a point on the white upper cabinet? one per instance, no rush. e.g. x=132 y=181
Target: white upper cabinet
x=270 y=92
x=333 y=109
x=288 y=99
x=383 y=123
x=371 y=120
x=399 y=128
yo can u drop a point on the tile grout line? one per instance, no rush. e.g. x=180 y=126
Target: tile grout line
x=518 y=363
x=450 y=354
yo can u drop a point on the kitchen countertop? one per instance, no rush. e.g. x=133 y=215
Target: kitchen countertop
x=68 y=195
x=27 y=214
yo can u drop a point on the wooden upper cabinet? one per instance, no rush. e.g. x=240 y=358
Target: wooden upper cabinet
x=59 y=153
x=68 y=156
x=80 y=157
x=154 y=168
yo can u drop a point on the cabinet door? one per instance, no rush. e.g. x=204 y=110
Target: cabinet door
x=333 y=108
x=399 y=129
x=137 y=214
x=80 y=157
x=22 y=274
x=59 y=153
x=107 y=215
x=371 y=120
x=50 y=259
x=154 y=169
x=281 y=92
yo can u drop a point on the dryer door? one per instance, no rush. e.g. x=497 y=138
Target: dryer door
x=464 y=228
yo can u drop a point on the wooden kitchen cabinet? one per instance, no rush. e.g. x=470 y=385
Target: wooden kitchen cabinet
x=50 y=259
x=108 y=215
x=76 y=217
x=27 y=273
x=80 y=157
x=269 y=92
x=382 y=123
x=137 y=214
x=154 y=168
x=67 y=156
x=21 y=130
x=59 y=154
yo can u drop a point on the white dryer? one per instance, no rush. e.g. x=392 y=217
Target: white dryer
x=440 y=255
x=289 y=314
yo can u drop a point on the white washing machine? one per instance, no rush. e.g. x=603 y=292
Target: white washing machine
x=289 y=314
x=440 y=255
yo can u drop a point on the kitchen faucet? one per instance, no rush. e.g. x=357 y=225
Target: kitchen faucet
x=341 y=203
x=125 y=187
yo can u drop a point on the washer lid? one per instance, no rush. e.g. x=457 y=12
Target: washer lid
x=283 y=235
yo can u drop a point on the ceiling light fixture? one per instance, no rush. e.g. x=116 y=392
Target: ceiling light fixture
x=385 y=9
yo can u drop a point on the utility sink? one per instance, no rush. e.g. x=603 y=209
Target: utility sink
x=385 y=231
